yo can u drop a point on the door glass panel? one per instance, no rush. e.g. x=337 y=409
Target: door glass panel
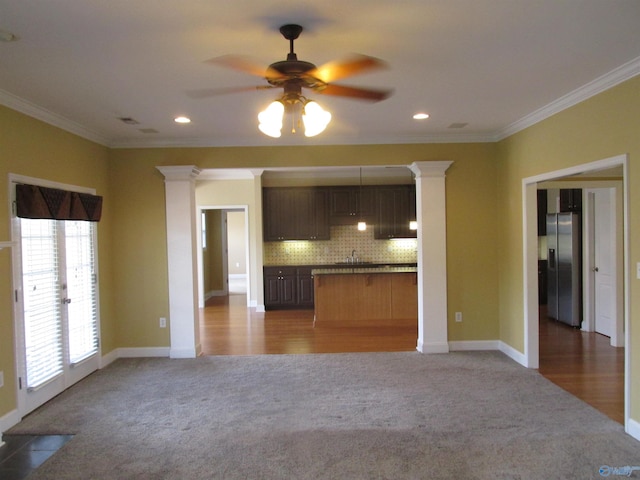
x=81 y=290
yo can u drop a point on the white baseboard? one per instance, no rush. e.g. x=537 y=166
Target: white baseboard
x=633 y=428
x=512 y=353
x=259 y=308
x=8 y=420
x=109 y=358
x=238 y=276
x=433 y=347
x=182 y=352
x=474 y=345
x=143 y=352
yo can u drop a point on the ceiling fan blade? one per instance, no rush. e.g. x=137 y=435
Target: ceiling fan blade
x=245 y=64
x=353 y=65
x=213 y=92
x=355 y=92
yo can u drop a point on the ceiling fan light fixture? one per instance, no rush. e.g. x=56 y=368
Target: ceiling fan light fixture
x=315 y=119
x=271 y=119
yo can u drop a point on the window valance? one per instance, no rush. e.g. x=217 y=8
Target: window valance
x=51 y=203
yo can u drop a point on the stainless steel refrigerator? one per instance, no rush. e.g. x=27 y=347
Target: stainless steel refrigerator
x=564 y=268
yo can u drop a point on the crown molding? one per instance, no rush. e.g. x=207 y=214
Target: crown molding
x=44 y=115
x=599 y=85
x=298 y=141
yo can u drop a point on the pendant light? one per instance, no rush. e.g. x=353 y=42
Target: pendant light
x=413 y=224
x=362 y=225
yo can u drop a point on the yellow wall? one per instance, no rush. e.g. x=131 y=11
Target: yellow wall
x=31 y=148
x=601 y=127
x=236 y=244
x=213 y=266
x=471 y=219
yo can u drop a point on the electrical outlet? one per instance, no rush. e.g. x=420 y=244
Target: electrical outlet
x=1 y=379
x=458 y=316
x=638 y=270
x=163 y=322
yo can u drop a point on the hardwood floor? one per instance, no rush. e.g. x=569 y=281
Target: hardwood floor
x=228 y=327
x=582 y=363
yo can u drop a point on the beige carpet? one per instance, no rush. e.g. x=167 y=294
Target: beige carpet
x=341 y=416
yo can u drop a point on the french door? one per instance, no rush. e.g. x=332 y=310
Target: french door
x=57 y=307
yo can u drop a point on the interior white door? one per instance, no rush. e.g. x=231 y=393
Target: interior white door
x=604 y=261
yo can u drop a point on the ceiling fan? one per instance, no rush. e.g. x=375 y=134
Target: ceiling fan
x=292 y=75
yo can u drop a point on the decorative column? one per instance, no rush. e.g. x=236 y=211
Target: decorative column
x=432 y=255
x=257 y=251
x=180 y=201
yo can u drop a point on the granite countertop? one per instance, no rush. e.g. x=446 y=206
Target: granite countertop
x=345 y=265
x=367 y=270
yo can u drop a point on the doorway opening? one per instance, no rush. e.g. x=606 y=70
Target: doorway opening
x=224 y=253
x=533 y=323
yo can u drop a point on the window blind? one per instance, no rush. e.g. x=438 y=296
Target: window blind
x=41 y=290
x=81 y=290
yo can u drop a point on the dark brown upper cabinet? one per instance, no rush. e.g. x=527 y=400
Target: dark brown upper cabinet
x=571 y=200
x=295 y=213
x=396 y=206
x=350 y=204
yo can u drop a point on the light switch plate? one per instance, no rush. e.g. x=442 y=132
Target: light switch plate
x=638 y=270
x=1 y=379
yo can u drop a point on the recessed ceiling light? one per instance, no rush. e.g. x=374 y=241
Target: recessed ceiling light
x=129 y=120
x=421 y=116
x=6 y=36
x=182 y=120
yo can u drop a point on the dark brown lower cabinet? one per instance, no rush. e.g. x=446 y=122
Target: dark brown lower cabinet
x=280 y=287
x=305 y=287
x=288 y=287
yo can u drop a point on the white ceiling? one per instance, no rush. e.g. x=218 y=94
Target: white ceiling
x=497 y=65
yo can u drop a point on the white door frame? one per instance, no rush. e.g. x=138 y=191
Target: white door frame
x=224 y=209
x=530 y=261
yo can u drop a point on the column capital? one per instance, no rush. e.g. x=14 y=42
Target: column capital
x=179 y=172
x=430 y=169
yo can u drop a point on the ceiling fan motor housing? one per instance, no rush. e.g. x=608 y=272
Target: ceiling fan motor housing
x=291 y=31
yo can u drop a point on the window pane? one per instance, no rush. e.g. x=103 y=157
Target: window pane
x=81 y=290
x=41 y=289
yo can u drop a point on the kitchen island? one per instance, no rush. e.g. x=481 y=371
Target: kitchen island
x=366 y=297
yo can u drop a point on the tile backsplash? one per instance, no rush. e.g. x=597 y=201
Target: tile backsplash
x=344 y=239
